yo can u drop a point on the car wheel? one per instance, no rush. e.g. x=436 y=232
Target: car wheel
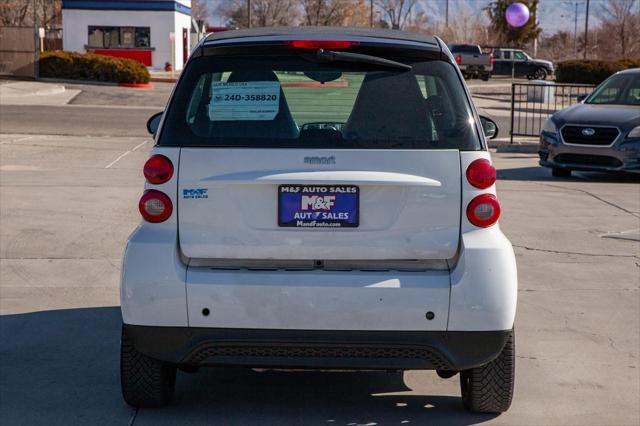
x=489 y=388
x=560 y=172
x=540 y=74
x=485 y=77
x=145 y=382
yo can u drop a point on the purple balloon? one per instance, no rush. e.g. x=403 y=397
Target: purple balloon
x=517 y=14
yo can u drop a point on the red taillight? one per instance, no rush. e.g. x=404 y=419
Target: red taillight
x=158 y=169
x=491 y=59
x=458 y=59
x=484 y=210
x=155 y=206
x=481 y=173
x=322 y=44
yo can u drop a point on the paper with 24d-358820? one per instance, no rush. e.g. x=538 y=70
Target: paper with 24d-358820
x=244 y=101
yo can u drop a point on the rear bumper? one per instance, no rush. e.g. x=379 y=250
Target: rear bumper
x=477 y=293
x=482 y=69
x=318 y=349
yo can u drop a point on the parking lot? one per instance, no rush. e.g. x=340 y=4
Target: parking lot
x=70 y=178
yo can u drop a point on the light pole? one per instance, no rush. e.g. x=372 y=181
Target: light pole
x=371 y=14
x=248 y=13
x=575 y=27
x=446 y=14
x=586 y=32
x=575 y=33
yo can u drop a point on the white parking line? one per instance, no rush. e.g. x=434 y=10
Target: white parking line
x=124 y=154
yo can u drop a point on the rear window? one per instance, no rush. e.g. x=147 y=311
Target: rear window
x=465 y=48
x=297 y=102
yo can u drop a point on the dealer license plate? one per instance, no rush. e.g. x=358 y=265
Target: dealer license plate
x=318 y=206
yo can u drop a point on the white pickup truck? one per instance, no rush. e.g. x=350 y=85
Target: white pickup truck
x=471 y=61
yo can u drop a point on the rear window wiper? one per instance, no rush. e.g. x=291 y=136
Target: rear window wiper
x=359 y=58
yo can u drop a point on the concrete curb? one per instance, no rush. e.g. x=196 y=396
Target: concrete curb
x=20 y=89
x=163 y=79
x=68 y=81
x=137 y=85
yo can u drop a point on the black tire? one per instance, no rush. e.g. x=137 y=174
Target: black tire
x=560 y=172
x=489 y=389
x=145 y=382
x=486 y=77
x=540 y=74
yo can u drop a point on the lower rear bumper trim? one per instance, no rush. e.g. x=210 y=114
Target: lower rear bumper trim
x=321 y=349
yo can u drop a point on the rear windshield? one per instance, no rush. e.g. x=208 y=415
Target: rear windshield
x=464 y=48
x=298 y=102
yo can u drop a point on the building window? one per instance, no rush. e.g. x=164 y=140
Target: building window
x=114 y=37
x=143 y=37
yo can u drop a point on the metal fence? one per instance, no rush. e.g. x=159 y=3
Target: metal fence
x=533 y=103
x=18 y=51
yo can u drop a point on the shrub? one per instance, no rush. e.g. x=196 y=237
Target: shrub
x=89 y=66
x=591 y=72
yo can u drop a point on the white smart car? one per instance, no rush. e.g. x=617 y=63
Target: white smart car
x=320 y=198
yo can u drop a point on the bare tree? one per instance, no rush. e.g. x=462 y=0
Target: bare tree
x=396 y=12
x=48 y=13
x=555 y=47
x=621 y=20
x=199 y=10
x=334 y=12
x=322 y=12
x=264 y=13
x=466 y=27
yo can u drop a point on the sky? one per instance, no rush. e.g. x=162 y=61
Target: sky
x=554 y=15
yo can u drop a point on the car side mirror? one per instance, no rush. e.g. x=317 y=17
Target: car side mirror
x=582 y=97
x=153 y=122
x=489 y=127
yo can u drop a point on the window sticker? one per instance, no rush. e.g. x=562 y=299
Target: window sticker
x=248 y=100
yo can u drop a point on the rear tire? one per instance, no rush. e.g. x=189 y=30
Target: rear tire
x=540 y=74
x=489 y=388
x=560 y=172
x=145 y=382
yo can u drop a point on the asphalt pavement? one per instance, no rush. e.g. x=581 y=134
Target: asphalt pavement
x=68 y=200
x=104 y=110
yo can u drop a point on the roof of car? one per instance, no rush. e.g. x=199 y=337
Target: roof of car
x=630 y=71
x=326 y=33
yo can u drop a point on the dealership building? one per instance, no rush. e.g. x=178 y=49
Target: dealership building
x=152 y=32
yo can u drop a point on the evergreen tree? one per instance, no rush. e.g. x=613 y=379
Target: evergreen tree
x=506 y=34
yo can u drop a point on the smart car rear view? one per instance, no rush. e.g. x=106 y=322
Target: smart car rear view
x=319 y=198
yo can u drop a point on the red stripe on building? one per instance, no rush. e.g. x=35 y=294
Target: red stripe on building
x=141 y=55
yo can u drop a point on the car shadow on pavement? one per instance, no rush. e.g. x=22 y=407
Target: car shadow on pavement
x=544 y=174
x=61 y=367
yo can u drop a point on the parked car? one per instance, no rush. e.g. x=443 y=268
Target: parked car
x=601 y=133
x=507 y=60
x=320 y=198
x=471 y=61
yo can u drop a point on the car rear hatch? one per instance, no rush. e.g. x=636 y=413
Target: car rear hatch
x=319 y=150
x=401 y=204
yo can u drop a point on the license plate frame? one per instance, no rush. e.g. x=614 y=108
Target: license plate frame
x=346 y=201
